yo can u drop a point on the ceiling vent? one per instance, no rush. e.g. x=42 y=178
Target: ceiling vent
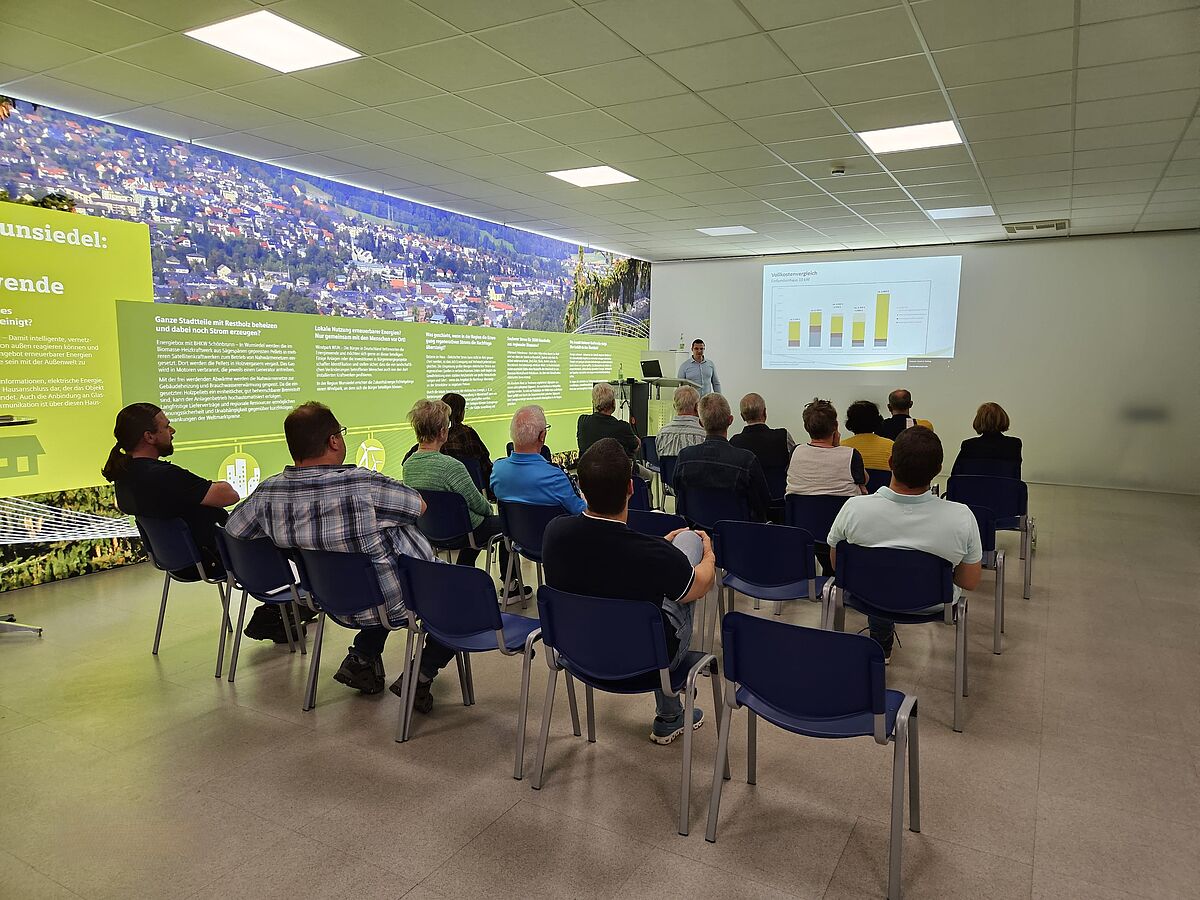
x=1042 y=229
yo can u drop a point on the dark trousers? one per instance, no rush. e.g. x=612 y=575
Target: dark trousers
x=369 y=643
x=488 y=529
x=883 y=631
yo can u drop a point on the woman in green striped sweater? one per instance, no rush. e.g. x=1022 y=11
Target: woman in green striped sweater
x=430 y=469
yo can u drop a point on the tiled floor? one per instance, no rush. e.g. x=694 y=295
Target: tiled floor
x=127 y=775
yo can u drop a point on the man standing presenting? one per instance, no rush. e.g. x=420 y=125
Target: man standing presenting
x=700 y=370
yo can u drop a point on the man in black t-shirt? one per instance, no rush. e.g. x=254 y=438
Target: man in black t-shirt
x=598 y=555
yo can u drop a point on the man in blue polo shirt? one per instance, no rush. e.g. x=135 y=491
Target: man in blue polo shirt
x=526 y=476
x=907 y=516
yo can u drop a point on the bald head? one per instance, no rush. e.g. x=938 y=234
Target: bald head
x=528 y=429
x=900 y=401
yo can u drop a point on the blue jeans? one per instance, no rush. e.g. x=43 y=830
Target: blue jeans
x=669 y=706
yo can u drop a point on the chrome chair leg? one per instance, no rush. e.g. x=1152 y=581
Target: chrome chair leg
x=544 y=736
x=224 y=622
x=590 y=702
x=960 y=653
x=721 y=762
x=301 y=631
x=237 y=639
x=523 y=708
x=685 y=777
x=751 y=747
x=914 y=773
x=897 y=822
x=162 y=613
x=462 y=679
x=714 y=675
x=1027 y=555
x=470 y=677
x=314 y=665
x=998 y=625
x=285 y=618
x=406 y=706
x=571 y=701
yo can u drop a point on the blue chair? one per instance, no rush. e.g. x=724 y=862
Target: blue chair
x=1008 y=499
x=997 y=468
x=446 y=523
x=259 y=569
x=909 y=587
x=877 y=478
x=767 y=562
x=776 y=481
x=651 y=461
x=171 y=549
x=992 y=559
x=475 y=471
x=457 y=605
x=524 y=525
x=659 y=524
x=705 y=507
x=666 y=475
x=813 y=512
x=617 y=646
x=822 y=685
x=641 y=494
x=508 y=451
x=341 y=586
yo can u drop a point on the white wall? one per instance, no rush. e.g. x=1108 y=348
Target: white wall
x=1065 y=333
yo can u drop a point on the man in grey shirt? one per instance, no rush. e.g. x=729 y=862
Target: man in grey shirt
x=700 y=370
x=685 y=429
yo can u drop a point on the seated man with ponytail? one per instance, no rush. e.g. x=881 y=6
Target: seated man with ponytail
x=147 y=485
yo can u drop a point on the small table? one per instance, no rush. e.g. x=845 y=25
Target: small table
x=8 y=623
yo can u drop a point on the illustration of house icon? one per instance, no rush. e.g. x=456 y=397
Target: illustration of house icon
x=19 y=455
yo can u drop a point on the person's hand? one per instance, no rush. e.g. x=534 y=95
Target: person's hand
x=670 y=536
x=706 y=541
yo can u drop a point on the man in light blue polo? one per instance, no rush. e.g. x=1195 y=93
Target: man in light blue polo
x=700 y=370
x=907 y=516
x=526 y=476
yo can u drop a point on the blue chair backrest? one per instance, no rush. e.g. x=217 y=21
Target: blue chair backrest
x=769 y=555
x=650 y=449
x=455 y=601
x=877 y=478
x=343 y=584
x=257 y=565
x=446 y=518
x=525 y=524
x=893 y=579
x=655 y=523
x=813 y=512
x=1007 y=497
x=776 y=481
x=169 y=543
x=986 y=520
x=804 y=672
x=641 y=494
x=601 y=638
x=475 y=471
x=999 y=468
x=708 y=506
x=666 y=470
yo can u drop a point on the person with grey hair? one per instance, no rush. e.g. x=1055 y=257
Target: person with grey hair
x=718 y=465
x=526 y=476
x=685 y=429
x=601 y=423
x=772 y=446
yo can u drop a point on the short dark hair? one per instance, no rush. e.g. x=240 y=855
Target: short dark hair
x=916 y=456
x=820 y=419
x=862 y=417
x=307 y=428
x=697 y=341
x=900 y=400
x=604 y=472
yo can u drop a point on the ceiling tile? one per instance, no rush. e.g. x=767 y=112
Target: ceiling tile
x=706 y=181
x=1034 y=54
x=113 y=76
x=737 y=61
x=592 y=125
x=781 y=13
x=762 y=175
x=839 y=147
x=90 y=24
x=626 y=81
x=854 y=166
x=289 y=95
x=724 y=195
x=1142 y=108
x=249 y=145
x=1012 y=94
x=1015 y=124
x=1029 y=182
x=370 y=26
x=557 y=42
x=661 y=168
x=369 y=156
x=741 y=158
x=304 y=135
x=1100 y=174
x=872 y=81
x=553 y=159
x=1139 y=38
x=841 y=185
x=1117 y=156
x=1029 y=145
x=671 y=24
x=370 y=125
x=700 y=138
x=456 y=64
x=867 y=37
x=945 y=189
x=625 y=149
x=37 y=52
x=425 y=173
x=1130 y=135
x=1138 y=186
x=936 y=175
x=914 y=109
x=504 y=138
x=526 y=99
x=949 y=23
x=663 y=113
x=228 y=112
x=368 y=81
x=444 y=113
x=169 y=124
x=923 y=159
x=486 y=166
x=44 y=89
x=794 y=126
x=774 y=193
x=791 y=93
x=1146 y=76
x=318 y=164
x=194 y=61
x=181 y=16
x=471 y=15
x=1026 y=165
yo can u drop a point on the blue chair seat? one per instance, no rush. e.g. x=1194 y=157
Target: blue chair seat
x=516 y=630
x=640 y=684
x=858 y=725
x=907 y=617
x=796 y=590
x=1012 y=523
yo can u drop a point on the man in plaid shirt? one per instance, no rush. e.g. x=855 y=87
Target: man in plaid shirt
x=322 y=504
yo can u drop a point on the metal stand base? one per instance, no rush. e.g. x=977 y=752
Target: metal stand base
x=8 y=623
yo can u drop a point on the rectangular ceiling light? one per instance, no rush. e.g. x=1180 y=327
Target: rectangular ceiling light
x=911 y=137
x=264 y=37
x=961 y=212
x=593 y=176
x=727 y=229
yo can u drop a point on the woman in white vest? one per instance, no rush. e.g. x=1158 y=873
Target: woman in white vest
x=823 y=466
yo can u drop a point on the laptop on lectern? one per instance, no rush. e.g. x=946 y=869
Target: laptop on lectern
x=651 y=368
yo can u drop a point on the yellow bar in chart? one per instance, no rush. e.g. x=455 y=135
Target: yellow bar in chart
x=793 y=334
x=858 y=330
x=814 y=328
x=836 y=330
x=883 y=302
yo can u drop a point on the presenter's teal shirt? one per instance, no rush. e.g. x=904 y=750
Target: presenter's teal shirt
x=703 y=373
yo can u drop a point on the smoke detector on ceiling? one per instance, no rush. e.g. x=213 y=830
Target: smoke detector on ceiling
x=1045 y=228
